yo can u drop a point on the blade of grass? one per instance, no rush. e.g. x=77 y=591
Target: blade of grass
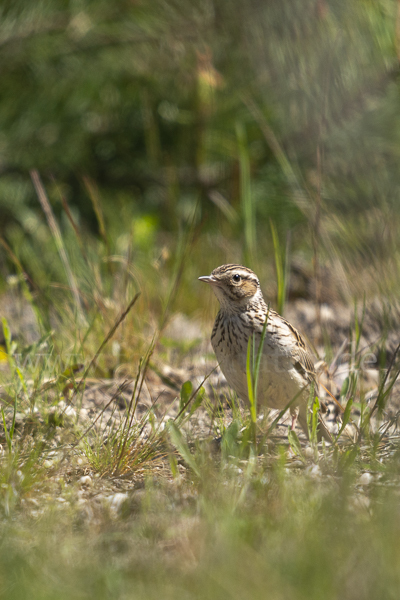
x=259 y=354
x=314 y=417
x=143 y=365
x=6 y=433
x=295 y=443
x=250 y=235
x=283 y=411
x=95 y=198
x=185 y=244
x=280 y=269
x=182 y=447
x=42 y=320
x=111 y=332
x=14 y=369
x=183 y=409
x=346 y=416
x=55 y=230
x=250 y=389
x=7 y=338
x=300 y=197
x=252 y=374
x=114 y=396
x=379 y=404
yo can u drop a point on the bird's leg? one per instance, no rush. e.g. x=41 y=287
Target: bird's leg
x=294 y=411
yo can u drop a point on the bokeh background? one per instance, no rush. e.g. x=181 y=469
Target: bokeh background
x=173 y=136
x=142 y=144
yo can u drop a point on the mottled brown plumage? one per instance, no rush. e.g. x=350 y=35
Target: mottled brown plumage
x=286 y=368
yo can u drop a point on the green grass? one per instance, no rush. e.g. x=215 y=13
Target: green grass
x=255 y=529
x=235 y=514
x=203 y=523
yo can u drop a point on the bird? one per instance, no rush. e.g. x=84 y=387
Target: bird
x=286 y=371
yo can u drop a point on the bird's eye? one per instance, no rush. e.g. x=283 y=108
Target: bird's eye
x=236 y=278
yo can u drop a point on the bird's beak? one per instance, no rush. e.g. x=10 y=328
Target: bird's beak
x=209 y=279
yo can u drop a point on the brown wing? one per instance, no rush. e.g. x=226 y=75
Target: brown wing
x=279 y=328
x=304 y=364
x=301 y=355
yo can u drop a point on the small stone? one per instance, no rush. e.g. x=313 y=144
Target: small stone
x=116 y=502
x=85 y=481
x=308 y=452
x=70 y=412
x=366 y=479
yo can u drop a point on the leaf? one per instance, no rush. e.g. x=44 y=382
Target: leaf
x=70 y=371
x=294 y=442
x=186 y=391
x=22 y=380
x=346 y=415
x=230 y=439
x=3 y=354
x=174 y=466
x=345 y=387
x=182 y=447
x=314 y=419
x=9 y=348
x=250 y=390
x=198 y=400
x=8 y=439
x=7 y=334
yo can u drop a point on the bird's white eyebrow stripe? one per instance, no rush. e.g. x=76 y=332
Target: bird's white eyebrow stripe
x=245 y=273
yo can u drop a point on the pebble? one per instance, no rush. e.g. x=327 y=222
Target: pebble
x=295 y=464
x=115 y=502
x=68 y=411
x=85 y=481
x=366 y=479
x=308 y=452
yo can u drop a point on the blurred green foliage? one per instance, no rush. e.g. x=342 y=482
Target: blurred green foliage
x=254 y=110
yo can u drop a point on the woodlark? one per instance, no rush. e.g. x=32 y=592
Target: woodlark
x=286 y=368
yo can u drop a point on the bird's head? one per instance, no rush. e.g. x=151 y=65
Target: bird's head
x=234 y=286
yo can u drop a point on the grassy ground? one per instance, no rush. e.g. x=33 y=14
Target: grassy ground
x=171 y=139
x=130 y=502
x=252 y=531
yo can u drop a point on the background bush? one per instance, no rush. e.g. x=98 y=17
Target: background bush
x=248 y=110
